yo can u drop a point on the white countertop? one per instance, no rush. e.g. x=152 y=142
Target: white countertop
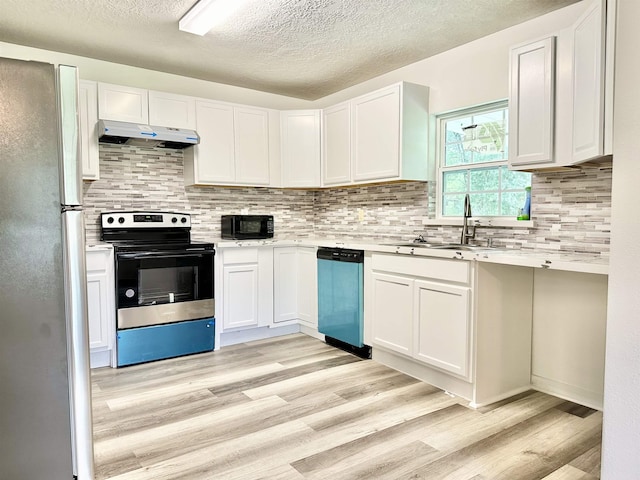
x=95 y=247
x=573 y=262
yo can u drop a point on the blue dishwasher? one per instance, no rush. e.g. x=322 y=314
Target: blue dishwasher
x=341 y=299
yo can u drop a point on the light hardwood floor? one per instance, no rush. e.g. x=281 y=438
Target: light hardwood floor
x=295 y=408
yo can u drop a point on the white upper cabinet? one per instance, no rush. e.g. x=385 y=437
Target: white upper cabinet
x=336 y=145
x=531 y=102
x=390 y=130
x=233 y=149
x=251 y=129
x=376 y=135
x=171 y=110
x=300 y=148
x=588 y=84
x=88 y=124
x=212 y=161
x=580 y=101
x=123 y=104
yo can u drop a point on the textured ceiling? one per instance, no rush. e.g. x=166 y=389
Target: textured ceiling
x=299 y=48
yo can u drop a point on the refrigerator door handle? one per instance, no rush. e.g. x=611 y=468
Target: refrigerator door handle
x=70 y=163
x=75 y=279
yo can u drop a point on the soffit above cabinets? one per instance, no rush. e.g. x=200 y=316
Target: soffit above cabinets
x=298 y=48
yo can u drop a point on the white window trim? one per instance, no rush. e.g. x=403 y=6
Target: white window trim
x=493 y=221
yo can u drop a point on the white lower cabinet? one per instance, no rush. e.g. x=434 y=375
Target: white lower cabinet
x=240 y=295
x=245 y=287
x=295 y=290
x=392 y=312
x=443 y=326
x=285 y=285
x=460 y=325
x=308 y=286
x=100 y=305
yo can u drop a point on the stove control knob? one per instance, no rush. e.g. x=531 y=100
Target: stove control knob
x=110 y=220
x=183 y=219
x=121 y=220
x=174 y=220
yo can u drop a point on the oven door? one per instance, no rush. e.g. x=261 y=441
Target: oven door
x=159 y=287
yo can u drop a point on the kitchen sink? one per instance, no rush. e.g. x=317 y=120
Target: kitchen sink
x=459 y=246
x=414 y=244
x=444 y=246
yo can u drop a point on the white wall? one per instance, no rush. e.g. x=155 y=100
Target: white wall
x=471 y=74
x=621 y=443
x=98 y=70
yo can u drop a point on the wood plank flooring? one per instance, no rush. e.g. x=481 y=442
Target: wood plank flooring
x=295 y=408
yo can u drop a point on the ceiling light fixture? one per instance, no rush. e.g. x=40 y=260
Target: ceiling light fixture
x=207 y=14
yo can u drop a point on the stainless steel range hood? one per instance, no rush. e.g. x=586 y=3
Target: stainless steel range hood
x=124 y=133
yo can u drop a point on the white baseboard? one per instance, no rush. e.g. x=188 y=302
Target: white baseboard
x=568 y=392
x=101 y=358
x=251 y=334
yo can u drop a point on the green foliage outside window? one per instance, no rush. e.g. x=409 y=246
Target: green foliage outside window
x=473 y=160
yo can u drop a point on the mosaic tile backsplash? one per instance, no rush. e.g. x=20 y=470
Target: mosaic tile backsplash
x=571 y=210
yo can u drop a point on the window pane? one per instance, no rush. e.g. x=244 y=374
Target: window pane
x=484 y=179
x=484 y=204
x=453 y=129
x=455 y=181
x=486 y=153
x=455 y=155
x=476 y=140
x=515 y=180
x=512 y=202
x=453 y=205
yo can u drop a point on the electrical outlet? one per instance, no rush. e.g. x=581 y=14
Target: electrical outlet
x=244 y=211
x=360 y=215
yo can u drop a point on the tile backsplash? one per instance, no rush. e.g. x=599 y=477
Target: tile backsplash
x=570 y=210
x=138 y=178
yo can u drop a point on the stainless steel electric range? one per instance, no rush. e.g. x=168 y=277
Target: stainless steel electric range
x=164 y=286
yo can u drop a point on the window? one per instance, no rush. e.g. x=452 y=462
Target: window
x=473 y=159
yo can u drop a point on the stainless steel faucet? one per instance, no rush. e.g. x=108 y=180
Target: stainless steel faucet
x=468 y=231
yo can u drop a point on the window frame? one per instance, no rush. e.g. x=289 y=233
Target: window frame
x=440 y=121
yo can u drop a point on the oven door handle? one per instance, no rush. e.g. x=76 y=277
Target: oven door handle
x=161 y=255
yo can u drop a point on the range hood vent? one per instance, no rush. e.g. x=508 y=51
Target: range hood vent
x=124 y=133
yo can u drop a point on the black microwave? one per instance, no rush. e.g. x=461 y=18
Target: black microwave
x=247 y=227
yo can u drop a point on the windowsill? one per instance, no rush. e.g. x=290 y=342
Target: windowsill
x=480 y=222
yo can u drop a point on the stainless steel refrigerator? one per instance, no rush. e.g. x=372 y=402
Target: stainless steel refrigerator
x=45 y=390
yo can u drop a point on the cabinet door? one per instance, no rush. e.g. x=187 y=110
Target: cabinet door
x=285 y=288
x=376 y=135
x=443 y=326
x=88 y=120
x=213 y=159
x=251 y=126
x=98 y=309
x=240 y=292
x=307 y=276
x=531 y=103
x=336 y=145
x=171 y=110
x=588 y=83
x=392 y=315
x=300 y=148
x=123 y=104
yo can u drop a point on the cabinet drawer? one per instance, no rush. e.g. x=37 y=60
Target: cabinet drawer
x=98 y=260
x=445 y=270
x=240 y=255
